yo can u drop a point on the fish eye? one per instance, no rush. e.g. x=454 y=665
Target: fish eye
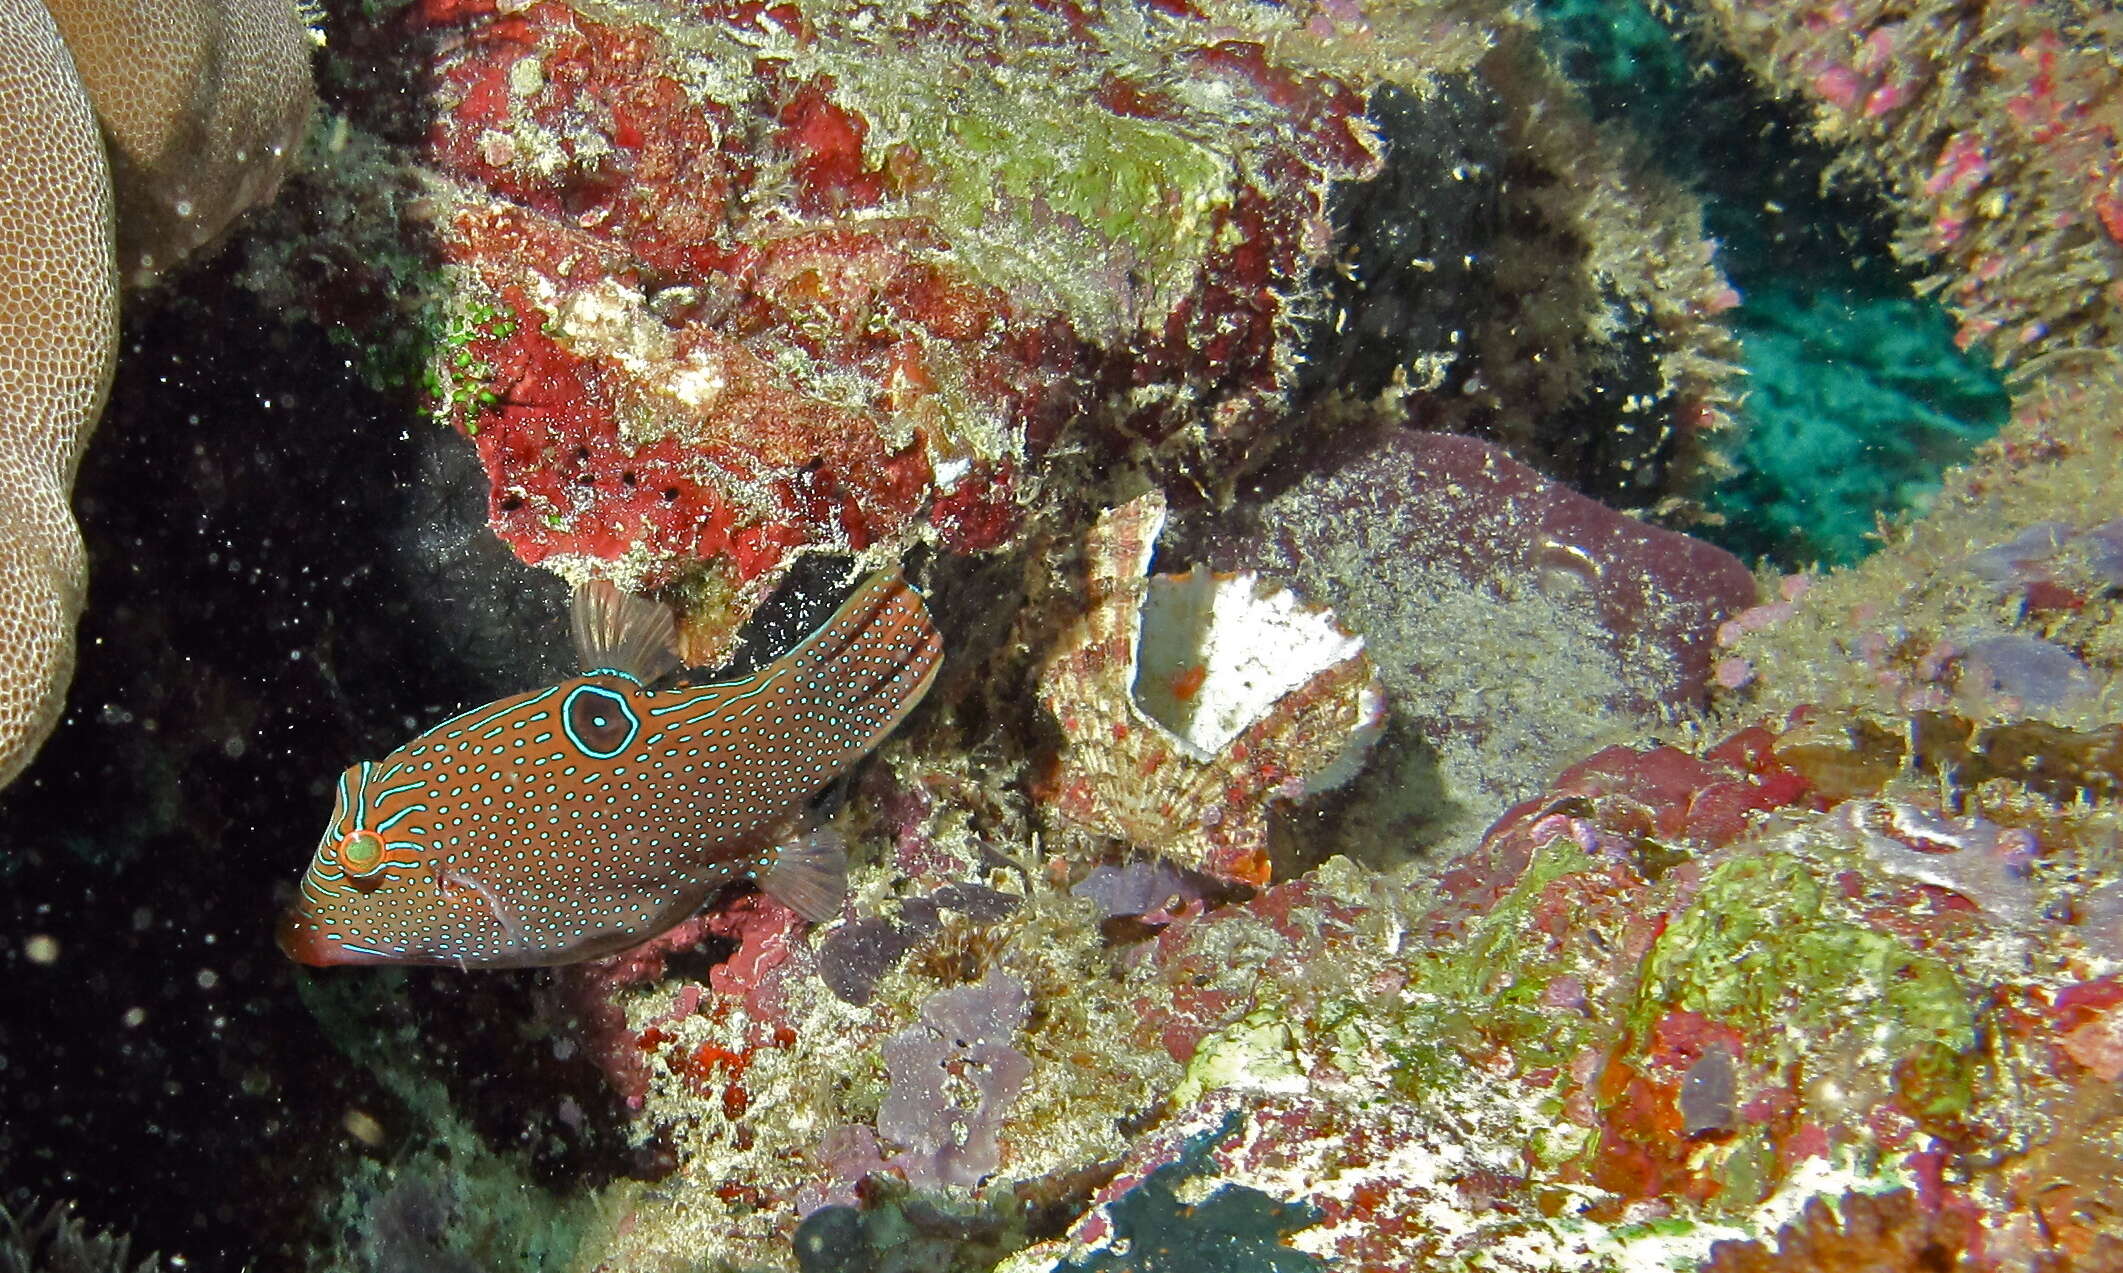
x=361 y=851
x=598 y=722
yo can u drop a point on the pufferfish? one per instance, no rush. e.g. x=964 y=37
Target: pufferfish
x=580 y=819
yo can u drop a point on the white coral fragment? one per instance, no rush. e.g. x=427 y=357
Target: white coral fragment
x=1217 y=650
x=1189 y=702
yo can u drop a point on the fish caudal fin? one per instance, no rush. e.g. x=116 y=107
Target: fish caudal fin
x=615 y=632
x=852 y=681
x=809 y=876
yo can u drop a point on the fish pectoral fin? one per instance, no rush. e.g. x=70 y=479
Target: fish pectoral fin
x=617 y=632
x=809 y=875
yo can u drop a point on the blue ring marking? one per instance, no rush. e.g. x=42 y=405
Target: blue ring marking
x=567 y=721
x=619 y=672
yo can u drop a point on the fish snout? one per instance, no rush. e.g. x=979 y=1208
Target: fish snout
x=303 y=940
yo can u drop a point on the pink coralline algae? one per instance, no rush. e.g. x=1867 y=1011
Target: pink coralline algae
x=1995 y=124
x=735 y=291
x=761 y=929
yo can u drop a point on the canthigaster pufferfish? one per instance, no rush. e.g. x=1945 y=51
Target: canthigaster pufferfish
x=583 y=818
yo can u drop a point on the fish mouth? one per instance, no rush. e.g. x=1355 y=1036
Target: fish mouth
x=304 y=942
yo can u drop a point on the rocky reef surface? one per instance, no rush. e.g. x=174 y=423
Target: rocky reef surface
x=1344 y=834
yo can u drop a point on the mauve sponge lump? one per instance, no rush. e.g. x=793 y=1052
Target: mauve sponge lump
x=200 y=105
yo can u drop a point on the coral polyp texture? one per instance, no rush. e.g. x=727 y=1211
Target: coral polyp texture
x=1993 y=125
x=735 y=283
x=201 y=106
x=60 y=295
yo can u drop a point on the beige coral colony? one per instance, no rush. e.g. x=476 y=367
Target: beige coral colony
x=135 y=133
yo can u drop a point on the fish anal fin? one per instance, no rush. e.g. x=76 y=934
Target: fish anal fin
x=809 y=875
x=621 y=633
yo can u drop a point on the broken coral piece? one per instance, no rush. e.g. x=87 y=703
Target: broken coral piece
x=1191 y=701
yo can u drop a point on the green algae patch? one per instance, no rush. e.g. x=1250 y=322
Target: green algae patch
x=1023 y=169
x=1487 y=992
x=1762 y=950
x=1257 y=1052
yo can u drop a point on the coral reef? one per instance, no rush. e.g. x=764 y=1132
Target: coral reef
x=878 y=299
x=1671 y=1001
x=1993 y=125
x=850 y=334
x=1642 y=927
x=1667 y=920
x=201 y=105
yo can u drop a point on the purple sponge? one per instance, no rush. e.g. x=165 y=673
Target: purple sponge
x=954 y=1073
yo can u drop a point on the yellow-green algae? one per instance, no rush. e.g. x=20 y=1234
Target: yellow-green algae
x=1489 y=987
x=1018 y=157
x=1760 y=948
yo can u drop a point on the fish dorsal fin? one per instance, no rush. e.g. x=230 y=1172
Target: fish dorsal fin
x=616 y=632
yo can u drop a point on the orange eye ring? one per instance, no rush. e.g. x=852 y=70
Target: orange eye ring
x=361 y=852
